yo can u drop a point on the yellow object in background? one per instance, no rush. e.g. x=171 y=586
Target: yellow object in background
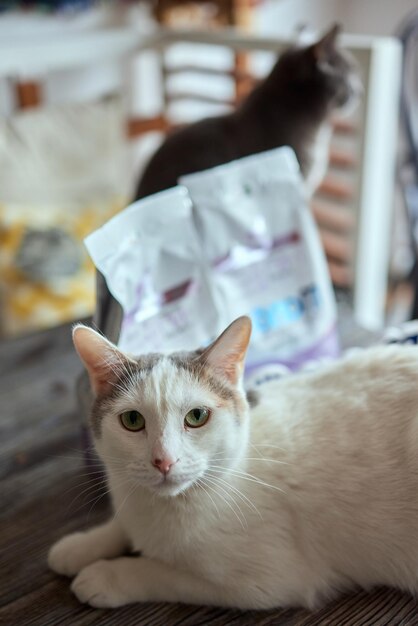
x=46 y=276
x=64 y=171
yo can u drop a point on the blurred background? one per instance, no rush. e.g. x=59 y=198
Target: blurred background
x=89 y=89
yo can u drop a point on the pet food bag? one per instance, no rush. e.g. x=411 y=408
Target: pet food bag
x=260 y=240
x=239 y=240
x=151 y=259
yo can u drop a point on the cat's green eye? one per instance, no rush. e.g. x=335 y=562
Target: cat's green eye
x=132 y=420
x=197 y=417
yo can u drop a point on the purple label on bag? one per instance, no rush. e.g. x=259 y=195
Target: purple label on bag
x=327 y=347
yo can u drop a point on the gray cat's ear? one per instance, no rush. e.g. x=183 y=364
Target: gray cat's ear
x=227 y=354
x=327 y=45
x=301 y=33
x=101 y=358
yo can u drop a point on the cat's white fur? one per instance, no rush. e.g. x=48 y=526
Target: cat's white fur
x=319 y=158
x=329 y=499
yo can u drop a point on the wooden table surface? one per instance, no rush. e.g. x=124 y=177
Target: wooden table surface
x=45 y=493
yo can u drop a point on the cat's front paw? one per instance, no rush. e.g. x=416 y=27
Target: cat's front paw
x=70 y=554
x=98 y=585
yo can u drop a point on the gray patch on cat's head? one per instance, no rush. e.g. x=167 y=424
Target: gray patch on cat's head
x=191 y=362
x=196 y=365
x=124 y=377
x=146 y=363
x=100 y=406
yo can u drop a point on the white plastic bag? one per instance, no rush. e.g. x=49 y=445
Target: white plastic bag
x=260 y=239
x=249 y=247
x=151 y=259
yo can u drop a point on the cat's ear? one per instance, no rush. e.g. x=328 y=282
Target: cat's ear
x=327 y=45
x=227 y=354
x=301 y=33
x=100 y=357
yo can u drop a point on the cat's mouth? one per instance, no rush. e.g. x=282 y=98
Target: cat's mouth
x=173 y=485
x=169 y=484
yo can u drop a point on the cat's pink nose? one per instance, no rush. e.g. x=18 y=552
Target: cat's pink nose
x=163 y=465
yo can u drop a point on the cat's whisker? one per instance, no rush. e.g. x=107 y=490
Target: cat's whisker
x=88 y=468
x=127 y=368
x=92 y=479
x=118 y=365
x=90 y=446
x=82 y=458
x=256 y=458
x=209 y=486
x=101 y=495
x=90 y=482
x=128 y=495
x=92 y=473
x=245 y=476
x=116 y=385
x=239 y=493
x=202 y=486
x=92 y=498
x=96 y=501
x=241 y=515
x=267 y=445
x=66 y=457
x=80 y=451
x=90 y=490
x=121 y=368
x=209 y=482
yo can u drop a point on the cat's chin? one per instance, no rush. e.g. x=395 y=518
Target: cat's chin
x=170 y=489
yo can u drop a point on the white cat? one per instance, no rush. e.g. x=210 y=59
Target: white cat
x=313 y=490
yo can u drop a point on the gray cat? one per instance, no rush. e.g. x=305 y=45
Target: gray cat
x=291 y=107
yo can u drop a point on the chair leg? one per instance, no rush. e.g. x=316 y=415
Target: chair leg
x=414 y=282
x=28 y=94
